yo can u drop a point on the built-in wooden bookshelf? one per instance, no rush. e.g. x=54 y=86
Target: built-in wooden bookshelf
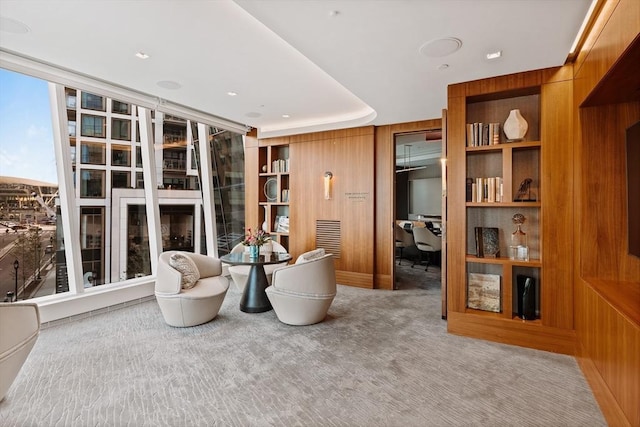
x=273 y=191
x=500 y=167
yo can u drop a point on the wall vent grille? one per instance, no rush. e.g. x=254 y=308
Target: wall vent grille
x=328 y=236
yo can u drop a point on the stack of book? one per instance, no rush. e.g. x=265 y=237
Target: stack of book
x=280 y=166
x=485 y=189
x=479 y=134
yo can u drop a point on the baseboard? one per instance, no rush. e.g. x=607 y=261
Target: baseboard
x=607 y=402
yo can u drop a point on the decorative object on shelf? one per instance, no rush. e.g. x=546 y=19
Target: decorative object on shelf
x=328 y=176
x=483 y=292
x=524 y=191
x=487 y=242
x=271 y=189
x=515 y=127
x=527 y=298
x=518 y=249
x=264 y=168
x=265 y=226
x=254 y=240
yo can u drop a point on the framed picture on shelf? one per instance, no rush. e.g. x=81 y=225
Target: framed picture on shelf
x=484 y=292
x=487 y=242
x=283 y=224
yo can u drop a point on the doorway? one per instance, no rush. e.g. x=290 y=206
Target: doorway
x=419 y=185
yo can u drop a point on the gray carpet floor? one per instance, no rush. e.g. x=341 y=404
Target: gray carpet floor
x=381 y=358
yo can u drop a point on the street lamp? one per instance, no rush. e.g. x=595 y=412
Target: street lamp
x=37 y=248
x=16 y=265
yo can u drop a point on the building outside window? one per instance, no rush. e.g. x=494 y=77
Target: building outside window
x=120 y=179
x=121 y=129
x=120 y=107
x=93 y=102
x=138 y=157
x=138 y=255
x=93 y=153
x=72 y=128
x=91 y=244
x=92 y=183
x=177 y=224
x=93 y=126
x=120 y=155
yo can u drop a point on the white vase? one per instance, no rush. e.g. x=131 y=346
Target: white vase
x=515 y=127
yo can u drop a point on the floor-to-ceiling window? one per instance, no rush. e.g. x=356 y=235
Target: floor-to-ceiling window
x=29 y=225
x=107 y=171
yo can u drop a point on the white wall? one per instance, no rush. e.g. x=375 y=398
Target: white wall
x=425 y=197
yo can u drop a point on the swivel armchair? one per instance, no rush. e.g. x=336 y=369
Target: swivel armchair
x=195 y=305
x=404 y=239
x=19 y=329
x=302 y=293
x=427 y=243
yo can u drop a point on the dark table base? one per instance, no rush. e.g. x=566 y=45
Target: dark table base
x=254 y=299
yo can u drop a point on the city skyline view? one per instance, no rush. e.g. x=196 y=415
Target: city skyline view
x=26 y=136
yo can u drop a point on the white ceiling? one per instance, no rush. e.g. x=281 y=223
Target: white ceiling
x=327 y=64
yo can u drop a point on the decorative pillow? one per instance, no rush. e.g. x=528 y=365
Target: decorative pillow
x=311 y=255
x=186 y=267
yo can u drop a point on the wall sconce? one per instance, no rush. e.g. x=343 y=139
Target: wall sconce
x=327 y=185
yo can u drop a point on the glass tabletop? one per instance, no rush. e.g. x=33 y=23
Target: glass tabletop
x=263 y=259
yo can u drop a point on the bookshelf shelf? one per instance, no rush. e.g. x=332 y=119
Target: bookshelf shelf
x=503 y=204
x=504 y=261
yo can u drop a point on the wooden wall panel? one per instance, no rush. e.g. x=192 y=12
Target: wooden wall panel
x=610 y=349
x=251 y=166
x=385 y=208
x=606 y=278
x=615 y=29
x=558 y=218
x=456 y=236
x=349 y=155
x=604 y=245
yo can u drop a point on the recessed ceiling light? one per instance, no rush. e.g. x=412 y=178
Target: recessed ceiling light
x=334 y=13
x=494 y=55
x=169 y=84
x=443 y=66
x=9 y=25
x=440 y=47
x=142 y=55
x=231 y=93
x=285 y=116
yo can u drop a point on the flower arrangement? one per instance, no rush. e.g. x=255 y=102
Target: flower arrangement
x=257 y=238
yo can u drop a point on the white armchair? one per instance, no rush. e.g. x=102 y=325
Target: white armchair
x=240 y=273
x=302 y=293
x=426 y=242
x=19 y=329
x=198 y=304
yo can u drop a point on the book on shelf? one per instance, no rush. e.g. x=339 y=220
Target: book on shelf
x=485 y=189
x=469 y=189
x=285 y=195
x=484 y=292
x=487 y=242
x=280 y=166
x=481 y=134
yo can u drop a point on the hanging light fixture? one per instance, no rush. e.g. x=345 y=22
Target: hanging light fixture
x=404 y=167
